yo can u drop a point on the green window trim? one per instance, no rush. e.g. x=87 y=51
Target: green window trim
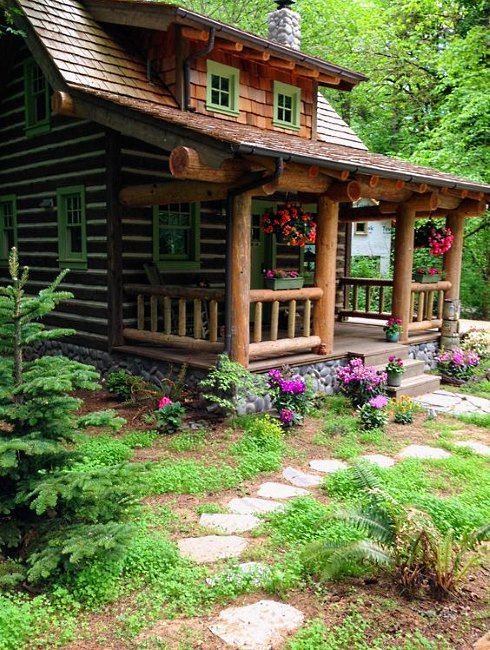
x=37 y=100
x=72 y=228
x=8 y=226
x=185 y=260
x=222 y=88
x=287 y=106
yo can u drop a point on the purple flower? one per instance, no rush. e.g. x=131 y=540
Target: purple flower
x=286 y=416
x=472 y=358
x=378 y=402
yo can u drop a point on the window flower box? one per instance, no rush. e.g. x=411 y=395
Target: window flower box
x=426 y=278
x=277 y=284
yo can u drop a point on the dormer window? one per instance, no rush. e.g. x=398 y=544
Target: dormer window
x=223 y=88
x=37 y=109
x=287 y=104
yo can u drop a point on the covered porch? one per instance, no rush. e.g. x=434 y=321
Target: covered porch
x=261 y=328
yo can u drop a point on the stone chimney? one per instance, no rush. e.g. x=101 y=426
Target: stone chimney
x=285 y=25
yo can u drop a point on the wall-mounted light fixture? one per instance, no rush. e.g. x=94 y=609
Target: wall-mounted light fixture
x=47 y=203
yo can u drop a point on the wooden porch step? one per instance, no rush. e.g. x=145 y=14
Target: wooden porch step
x=413 y=368
x=379 y=356
x=415 y=386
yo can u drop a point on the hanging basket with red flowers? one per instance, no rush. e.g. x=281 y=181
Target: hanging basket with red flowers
x=290 y=224
x=438 y=239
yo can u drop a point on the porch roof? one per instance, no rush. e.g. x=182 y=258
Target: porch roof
x=244 y=139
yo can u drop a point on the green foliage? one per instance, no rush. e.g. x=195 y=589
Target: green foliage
x=372 y=417
x=102 y=451
x=169 y=417
x=229 y=382
x=400 y=537
x=478 y=419
x=139 y=439
x=55 y=516
x=128 y=387
x=188 y=441
x=107 y=418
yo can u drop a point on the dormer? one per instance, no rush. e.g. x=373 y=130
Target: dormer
x=217 y=70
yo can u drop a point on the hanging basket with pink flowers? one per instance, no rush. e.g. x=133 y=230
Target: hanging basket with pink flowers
x=438 y=239
x=290 y=224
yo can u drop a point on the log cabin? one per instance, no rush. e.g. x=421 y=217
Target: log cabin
x=140 y=145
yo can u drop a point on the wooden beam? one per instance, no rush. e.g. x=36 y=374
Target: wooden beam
x=240 y=278
x=339 y=174
x=282 y=64
x=385 y=190
x=371 y=181
x=194 y=34
x=311 y=73
x=172 y=340
x=185 y=163
x=325 y=271
x=229 y=46
x=329 y=80
x=349 y=214
x=266 y=349
x=255 y=55
x=448 y=202
x=453 y=259
x=402 y=274
x=296 y=178
x=62 y=104
x=424 y=202
x=284 y=295
x=114 y=241
x=344 y=192
x=471 y=208
x=173 y=192
x=418 y=188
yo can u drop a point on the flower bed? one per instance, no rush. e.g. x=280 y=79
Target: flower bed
x=457 y=366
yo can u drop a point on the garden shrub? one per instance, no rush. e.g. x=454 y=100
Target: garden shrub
x=169 y=415
x=359 y=382
x=290 y=396
x=188 y=441
x=139 y=439
x=128 y=387
x=102 y=450
x=372 y=414
x=55 y=517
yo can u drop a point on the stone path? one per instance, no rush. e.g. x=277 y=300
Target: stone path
x=252 y=506
x=280 y=491
x=261 y=626
x=477 y=447
x=211 y=548
x=423 y=452
x=300 y=479
x=442 y=401
x=328 y=466
x=379 y=459
x=226 y=523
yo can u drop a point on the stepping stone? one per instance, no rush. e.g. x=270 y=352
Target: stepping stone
x=379 y=459
x=254 y=572
x=477 y=447
x=229 y=523
x=301 y=479
x=261 y=626
x=280 y=491
x=212 y=547
x=253 y=506
x=328 y=466
x=423 y=452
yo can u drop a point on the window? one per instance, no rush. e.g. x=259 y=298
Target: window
x=361 y=228
x=8 y=225
x=176 y=236
x=71 y=227
x=223 y=88
x=37 y=108
x=287 y=104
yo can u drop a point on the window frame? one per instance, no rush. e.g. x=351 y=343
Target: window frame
x=364 y=231
x=65 y=259
x=12 y=199
x=175 y=262
x=34 y=127
x=233 y=76
x=294 y=92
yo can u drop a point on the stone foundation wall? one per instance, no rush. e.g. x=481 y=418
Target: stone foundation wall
x=426 y=352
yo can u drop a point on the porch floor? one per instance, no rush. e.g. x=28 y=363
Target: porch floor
x=350 y=338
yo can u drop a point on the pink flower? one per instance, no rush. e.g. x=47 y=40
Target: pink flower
x=286 y=416
x=163 y=402
x=378 y=402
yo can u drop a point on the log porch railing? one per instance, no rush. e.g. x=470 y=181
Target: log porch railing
x=296 y=300
x=180 y=317
x=426 y=304
x=372 y=298
x=366 y=297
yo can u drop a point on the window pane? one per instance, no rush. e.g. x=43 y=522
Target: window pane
x=174 y=242
x=74 y=218
x=221 y=91
x=75 y=239
x=40 y=112
x=174 y=230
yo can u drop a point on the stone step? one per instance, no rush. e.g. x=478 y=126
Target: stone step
x=413 y=368
x=211 y=548
x=415 y=386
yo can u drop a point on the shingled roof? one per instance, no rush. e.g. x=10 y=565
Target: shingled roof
x=92 y=61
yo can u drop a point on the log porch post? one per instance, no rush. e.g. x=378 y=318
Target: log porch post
x=454 y=257
x=402 y=274
x=325 y=271
x=240 y=277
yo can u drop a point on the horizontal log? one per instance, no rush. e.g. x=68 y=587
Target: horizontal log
x=471 y=208
x=266 y=349
x=386 y=190
x=171 y=340
x=285 y=295
x=424 y=325
x=282 y=64
x=190 y=293
x=296 y=178
x=421 y=202
x=367 y=282
x=371 y=181
x=310 y=73
x=329 y=80
x=418 y=188
x=194 y=34
x=255 y=55
x=344 y=192
x=365 y=314
x=229 y=46
x=185 y=164
x=62 y=103
x=442 y=285
x=448 y=202
x=339 y=174
x=173 y=192
x=368 y=213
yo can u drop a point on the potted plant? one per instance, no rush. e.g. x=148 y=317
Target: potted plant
x=438 y=239
x=393 y=329
x=427 y=275
x=394 y=370
x=290 y=224
x=277 y=279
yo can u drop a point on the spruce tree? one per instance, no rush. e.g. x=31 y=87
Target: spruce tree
x=56 y=514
